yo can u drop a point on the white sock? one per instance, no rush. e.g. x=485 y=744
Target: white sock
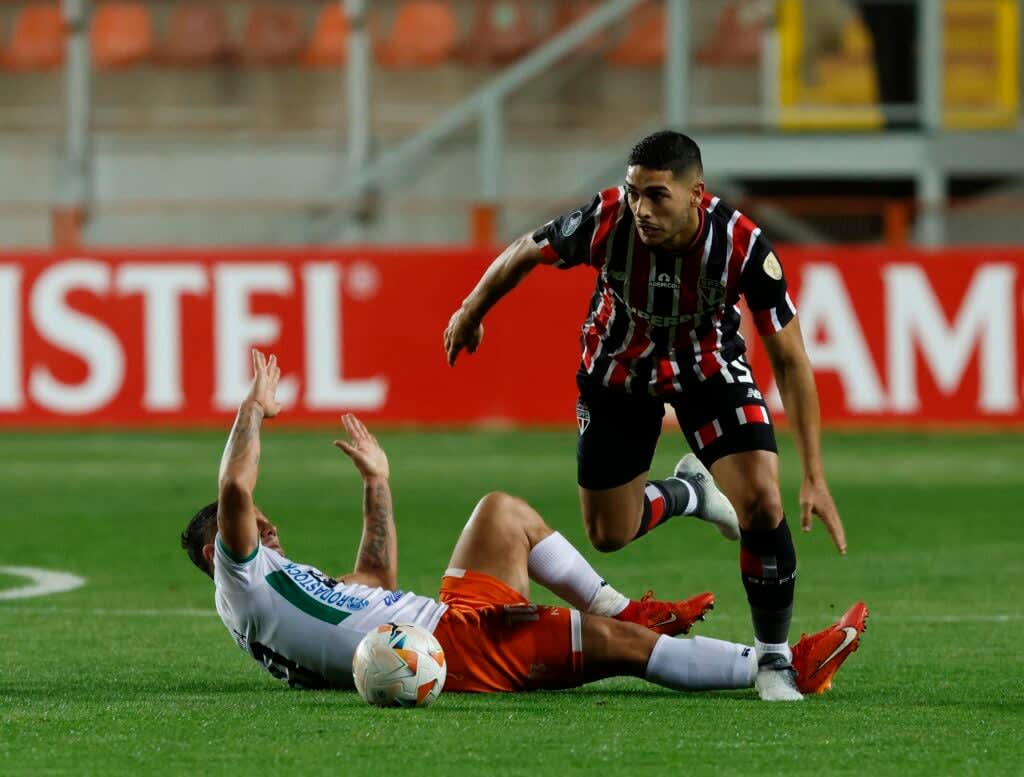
x=558 y=566
x=773 y=647
x=691 y=505
x=701 y=664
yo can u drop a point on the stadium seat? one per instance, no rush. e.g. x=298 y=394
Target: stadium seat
x=37 y=39
x=643 y=44
x=424 y=34
x=122 y=36
x=502 y=32
x=571 y=11
x=329 y=45
x=733 y=43
x=273 y=35
x=197 y=35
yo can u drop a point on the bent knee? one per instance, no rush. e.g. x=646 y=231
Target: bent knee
x=498 y=509
x=604 y=534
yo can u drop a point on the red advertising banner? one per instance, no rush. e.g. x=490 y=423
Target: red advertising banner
x=162 y=338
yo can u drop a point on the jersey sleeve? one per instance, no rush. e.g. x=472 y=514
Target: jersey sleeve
x=572 y=238
x=763 y=284
x=232 y=571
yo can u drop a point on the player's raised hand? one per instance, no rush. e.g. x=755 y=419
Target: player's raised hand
x=363 y=448
x=265 y=377
x=815 y=499
x=463 y=332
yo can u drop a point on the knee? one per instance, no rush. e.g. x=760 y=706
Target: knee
x=760 y=505
x=504 y=511
x=604 y=534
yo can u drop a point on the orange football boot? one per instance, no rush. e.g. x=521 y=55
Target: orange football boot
x=816 y=658
x=669 y=618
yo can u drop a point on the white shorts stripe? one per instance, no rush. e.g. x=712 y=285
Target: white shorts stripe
x=576 y=626
x=454 y=572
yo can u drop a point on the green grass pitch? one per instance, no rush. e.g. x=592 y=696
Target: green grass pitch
x=130 y=674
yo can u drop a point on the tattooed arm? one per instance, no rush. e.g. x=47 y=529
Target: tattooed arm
x=239 y=466
x=377 y=559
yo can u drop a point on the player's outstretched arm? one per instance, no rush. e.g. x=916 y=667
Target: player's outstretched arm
x=465 y=329
x=239 y=465
x=377 y=557
x=793 y=373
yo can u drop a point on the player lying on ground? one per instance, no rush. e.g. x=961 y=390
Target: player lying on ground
x=672 y=263
x=304 y=626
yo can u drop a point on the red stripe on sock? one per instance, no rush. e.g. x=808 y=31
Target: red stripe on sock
x=750 y=564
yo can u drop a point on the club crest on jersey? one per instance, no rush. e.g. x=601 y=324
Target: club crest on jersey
x=582 y=416
x=771 y=266
x=572 y=224
x=710 y=295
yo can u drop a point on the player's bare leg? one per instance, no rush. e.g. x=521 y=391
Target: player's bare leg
x=509 y=540
x=612 y=648
x=767 y=563
x=614 y=517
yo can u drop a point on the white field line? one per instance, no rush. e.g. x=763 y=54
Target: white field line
x=42 y=582
x=197 y=613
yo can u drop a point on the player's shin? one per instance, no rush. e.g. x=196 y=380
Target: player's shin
x=701 y=664
x=555 y=564
x=768 y=569
x=664 y=499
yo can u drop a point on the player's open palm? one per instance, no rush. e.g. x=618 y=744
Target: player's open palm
x=816 y=499
x=363 y=448
x=462 y=332
x=265 y=377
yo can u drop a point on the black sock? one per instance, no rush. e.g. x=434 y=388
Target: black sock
x=663 y=499
x=768 y=569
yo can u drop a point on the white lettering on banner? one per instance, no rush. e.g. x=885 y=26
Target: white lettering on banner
x=985 y=321
x=78 y=334
x=162 y=286
x=325 y=386
x=11 y=397
x=236 y=329
x=825 y=306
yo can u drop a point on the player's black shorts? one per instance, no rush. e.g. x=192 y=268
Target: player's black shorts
x=618 y=432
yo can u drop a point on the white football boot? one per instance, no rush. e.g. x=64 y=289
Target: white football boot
x=712 y=505
x=776 y=679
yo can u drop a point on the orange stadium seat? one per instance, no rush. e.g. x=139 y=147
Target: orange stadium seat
x=37 y=39
x=122 y=36
x=329 y=45
x=733 y=43
x=197 y=35
x=424 y=34
x=273 y=35
x=571 y=11
x=503 y=31
x=643 y=44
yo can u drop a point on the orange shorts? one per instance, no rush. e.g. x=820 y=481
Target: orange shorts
x=494 y=640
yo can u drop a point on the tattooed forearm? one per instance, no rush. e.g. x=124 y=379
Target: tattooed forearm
x=377 y=549
x=241 y=458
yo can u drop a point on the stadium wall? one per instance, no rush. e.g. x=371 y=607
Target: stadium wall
x=161 y=338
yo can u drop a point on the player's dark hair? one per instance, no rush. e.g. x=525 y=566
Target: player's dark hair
x=667 y=150
x=201 y=531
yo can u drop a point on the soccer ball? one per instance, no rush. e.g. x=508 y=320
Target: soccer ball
x=399 y=665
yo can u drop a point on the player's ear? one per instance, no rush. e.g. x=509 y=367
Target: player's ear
x=697 y=192
x=208 y=555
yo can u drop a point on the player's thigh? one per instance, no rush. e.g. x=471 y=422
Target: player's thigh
x=613 y=648
x=750 y=480
x=497 y=540
x=618 y=433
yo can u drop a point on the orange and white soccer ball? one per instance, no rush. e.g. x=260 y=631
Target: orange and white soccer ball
x=399 y=665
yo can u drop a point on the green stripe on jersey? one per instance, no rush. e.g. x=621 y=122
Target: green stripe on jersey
x=290 y=590
x=233 y=557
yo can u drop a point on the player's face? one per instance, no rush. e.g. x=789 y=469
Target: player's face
x=268 y=532
x=664 y=206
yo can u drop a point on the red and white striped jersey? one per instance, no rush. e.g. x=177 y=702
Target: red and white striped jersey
x=658 y=320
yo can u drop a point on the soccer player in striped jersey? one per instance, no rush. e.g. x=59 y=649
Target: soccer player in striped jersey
x=672 y=262
x=303 y=625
